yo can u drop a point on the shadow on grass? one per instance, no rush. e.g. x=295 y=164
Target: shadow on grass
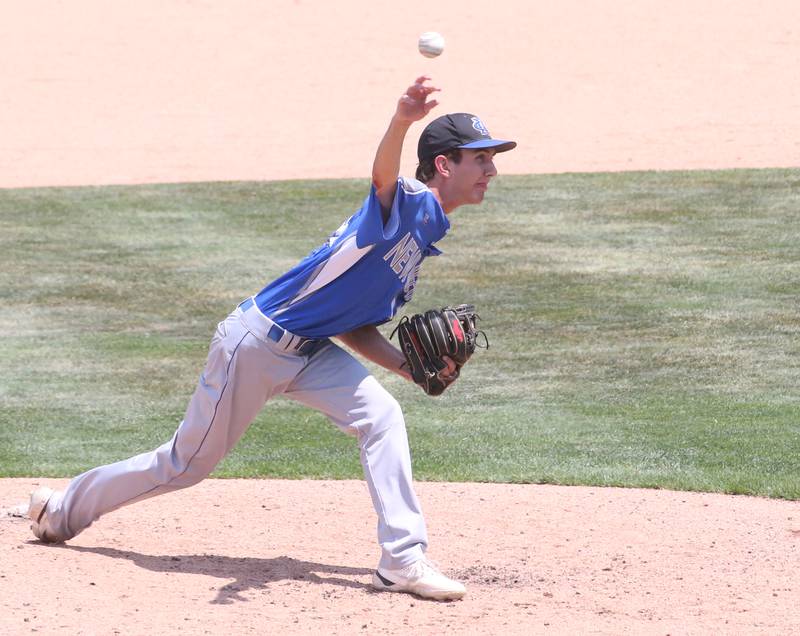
x=248 y=572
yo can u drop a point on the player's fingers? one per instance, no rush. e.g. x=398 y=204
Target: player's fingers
x=423 y=91
x=451 y=366
x=429 y=106
x=419 y=85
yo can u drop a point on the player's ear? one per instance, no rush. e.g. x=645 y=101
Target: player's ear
x=442 y=165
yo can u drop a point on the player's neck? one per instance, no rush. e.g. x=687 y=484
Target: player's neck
x=447 y=205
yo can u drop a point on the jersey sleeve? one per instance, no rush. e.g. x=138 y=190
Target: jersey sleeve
x=371 y=229
x=414 y=204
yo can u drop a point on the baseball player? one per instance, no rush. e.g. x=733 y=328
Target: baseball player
x=279 y=342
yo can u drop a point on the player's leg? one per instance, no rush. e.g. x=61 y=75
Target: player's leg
x=240 y=374
x=336 y=384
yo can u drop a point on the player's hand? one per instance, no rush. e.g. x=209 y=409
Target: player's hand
x=414 y=104
x=451 y=372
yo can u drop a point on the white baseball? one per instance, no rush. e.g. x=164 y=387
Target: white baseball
x=431 y=44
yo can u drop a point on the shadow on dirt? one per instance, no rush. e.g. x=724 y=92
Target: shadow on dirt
x=248 y=572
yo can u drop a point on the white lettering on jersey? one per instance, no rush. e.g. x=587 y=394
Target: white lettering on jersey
x=402 y=253
x=405 y=261
x=411 y=284
x=413 y=262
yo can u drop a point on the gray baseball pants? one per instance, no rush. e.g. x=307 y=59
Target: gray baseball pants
x=246 y=366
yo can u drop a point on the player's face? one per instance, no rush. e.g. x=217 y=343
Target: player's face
x=471 y=176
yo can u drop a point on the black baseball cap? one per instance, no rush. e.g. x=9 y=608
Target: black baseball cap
x=457 y=130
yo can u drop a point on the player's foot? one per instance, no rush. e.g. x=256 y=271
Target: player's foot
x=37 y=511
x=421 y=578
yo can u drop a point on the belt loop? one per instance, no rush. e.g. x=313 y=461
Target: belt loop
x=276 y=332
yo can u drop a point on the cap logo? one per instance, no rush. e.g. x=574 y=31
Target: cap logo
x=477 y=124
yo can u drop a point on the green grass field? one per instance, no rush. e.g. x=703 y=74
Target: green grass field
x=644 y=328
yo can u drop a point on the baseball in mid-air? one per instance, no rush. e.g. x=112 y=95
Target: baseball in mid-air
x=431 y=44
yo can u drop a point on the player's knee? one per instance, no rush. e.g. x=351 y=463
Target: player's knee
x=195 y=473
x=383 y=414
x=177 y=468
x=392 y=412
x=201 y=466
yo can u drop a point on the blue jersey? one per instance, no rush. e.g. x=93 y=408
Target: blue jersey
x=364 y=272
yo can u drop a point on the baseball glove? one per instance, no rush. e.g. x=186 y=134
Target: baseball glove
x=427 y=338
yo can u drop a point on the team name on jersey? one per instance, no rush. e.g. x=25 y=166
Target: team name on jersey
x=405 y=259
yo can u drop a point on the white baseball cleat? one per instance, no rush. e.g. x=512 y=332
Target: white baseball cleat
x=37 y=511
x=421 y=578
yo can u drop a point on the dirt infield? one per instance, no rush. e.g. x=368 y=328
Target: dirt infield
x=265 y=557
x=193 y=90
x=207 y=91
